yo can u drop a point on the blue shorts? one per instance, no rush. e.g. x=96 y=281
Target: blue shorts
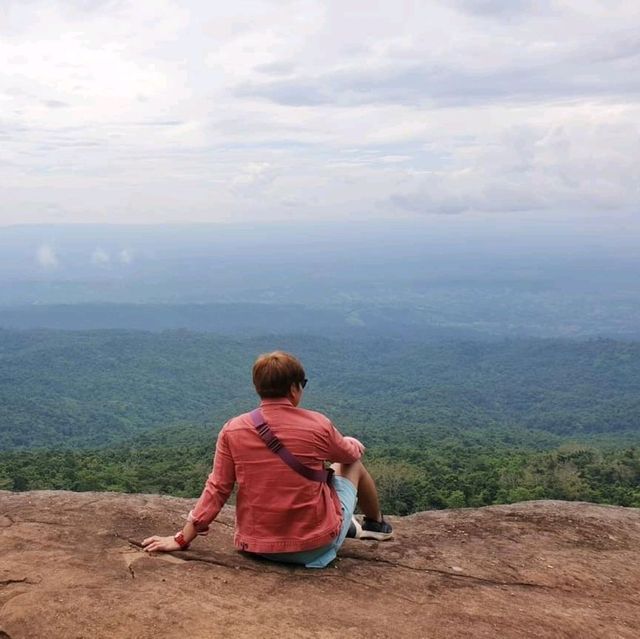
x=321 y=557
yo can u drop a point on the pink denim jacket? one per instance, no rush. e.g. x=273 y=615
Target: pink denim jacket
x=277 y=510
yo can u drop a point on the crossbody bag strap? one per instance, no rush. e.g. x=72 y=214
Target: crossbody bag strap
x=275 y=445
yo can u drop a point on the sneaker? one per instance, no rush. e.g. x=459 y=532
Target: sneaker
x=355 y=529
x=372 y=529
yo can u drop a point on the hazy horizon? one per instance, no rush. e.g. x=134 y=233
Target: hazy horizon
x=408 y=280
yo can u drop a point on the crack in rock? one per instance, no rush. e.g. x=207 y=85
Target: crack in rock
x=296 y=572
x=299 y=573
x=44 y=523
x=84 y=506
x=132 y=556
x=189 y=556
x=8 y=582
x=452 y=575
x=217 y=562
x=290 y=570
x=387 y=593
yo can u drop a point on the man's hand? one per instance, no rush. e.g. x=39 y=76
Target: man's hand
x=358 y=443
x=160 y=544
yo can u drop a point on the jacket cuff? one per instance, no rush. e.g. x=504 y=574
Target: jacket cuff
x=202 y=529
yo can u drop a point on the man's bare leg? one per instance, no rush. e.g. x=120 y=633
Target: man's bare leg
x=359 y=476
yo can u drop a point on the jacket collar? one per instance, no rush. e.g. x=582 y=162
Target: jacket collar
x=276 y=401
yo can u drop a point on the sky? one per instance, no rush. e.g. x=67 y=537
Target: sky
x=153 y=111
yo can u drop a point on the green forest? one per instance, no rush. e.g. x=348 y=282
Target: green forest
x=409 y=479
x=446 y=423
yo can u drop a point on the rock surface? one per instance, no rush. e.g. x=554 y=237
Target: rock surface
x=71 y=568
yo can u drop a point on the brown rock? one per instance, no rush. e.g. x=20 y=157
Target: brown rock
x=71 y=568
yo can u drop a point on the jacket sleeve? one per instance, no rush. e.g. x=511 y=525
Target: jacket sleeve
x=341 y=449
x=218 y=486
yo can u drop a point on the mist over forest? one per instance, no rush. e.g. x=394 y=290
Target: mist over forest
x=443 y=278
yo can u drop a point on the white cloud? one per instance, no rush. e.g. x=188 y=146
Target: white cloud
x=125 y=256
x=158 y=110
x=46 y=257
x=580 y=162
x=253 y=178
x=100 y=257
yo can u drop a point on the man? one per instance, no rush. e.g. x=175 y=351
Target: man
x=281 y=514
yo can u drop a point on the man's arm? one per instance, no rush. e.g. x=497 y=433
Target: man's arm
x=344 y=450
x=216 y=491
x=218 y=486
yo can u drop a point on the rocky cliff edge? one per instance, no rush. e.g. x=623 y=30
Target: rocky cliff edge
x=71 y=567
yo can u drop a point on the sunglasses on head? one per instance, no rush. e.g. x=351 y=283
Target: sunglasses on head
x=303 y=383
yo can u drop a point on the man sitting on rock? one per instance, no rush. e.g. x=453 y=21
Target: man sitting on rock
x=288 y=508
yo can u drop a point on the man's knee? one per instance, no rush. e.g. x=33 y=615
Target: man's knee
x=350 y=471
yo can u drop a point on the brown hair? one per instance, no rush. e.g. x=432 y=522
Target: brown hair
x=273 y=374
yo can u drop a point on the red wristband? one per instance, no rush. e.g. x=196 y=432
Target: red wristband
x=182 y=542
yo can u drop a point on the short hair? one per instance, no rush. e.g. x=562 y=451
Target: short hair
x=274 y=373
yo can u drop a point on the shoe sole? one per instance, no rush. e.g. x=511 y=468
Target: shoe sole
x=378 y=536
